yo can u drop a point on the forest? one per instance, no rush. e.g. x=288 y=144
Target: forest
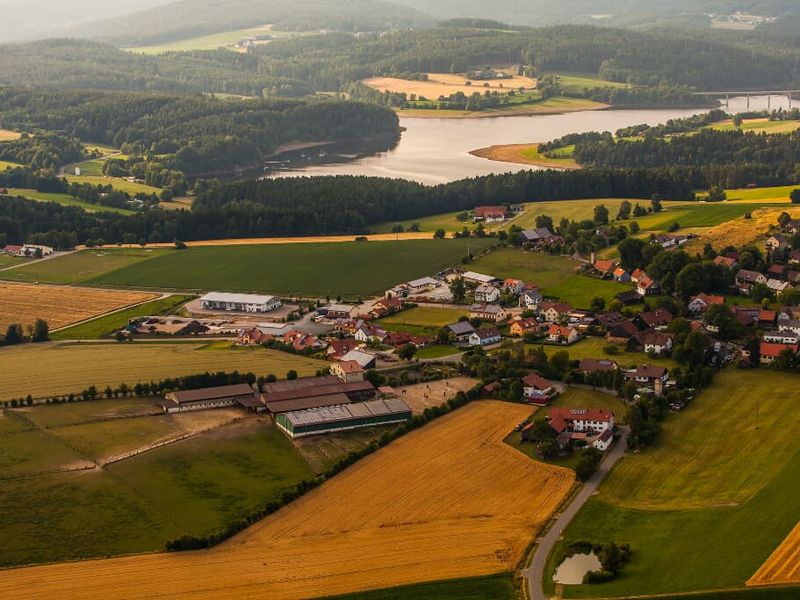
x=349 y=204
x=165 y=135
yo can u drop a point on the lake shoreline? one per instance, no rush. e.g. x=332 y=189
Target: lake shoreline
x=512 y=153
x=521 y=111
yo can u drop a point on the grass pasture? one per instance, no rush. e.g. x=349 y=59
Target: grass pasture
x=59 y=306
x=65 y=200
x=592 y=347
x=4 y=164
x=123 y=185
x=446 y=221
x=470 y=512
x=213 y=41
x=496 y=587
x=706 y=507
x=349 y=268
x=62 y=368
x=761 y=195
x=425 y=316
x=97 y=328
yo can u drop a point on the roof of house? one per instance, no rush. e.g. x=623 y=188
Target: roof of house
x=748 y=276
x=774 y=350
x=423 y=281
x=340 y=308
x=560 y=307
x=647 y=283
x=539 y=233
x=708 y=299
x=605 y=266
x=624 y=328
x=581 y=414
x=605 y=436
x=342 y=347
x=461 y=328
x=350 y=366
x=650 y=372
x=536 y=381
x=528 y=323
x=487 y=334
x=478 y=277
x=558 y=424
x=656 y=318
x=768 y=316
x=362 y=358
x=560 y=330
x=629 y=296
x=619 y=272
x=591 y=365
x=212 y=393
x=489 y=211
x=725 y=261
x=610 y=318
x=492 y=309
x=237 y=298
x=656 y=338
x=485 y=288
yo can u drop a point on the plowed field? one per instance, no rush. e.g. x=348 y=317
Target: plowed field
x=447 y=501
x=59 y=306
x=783 y=566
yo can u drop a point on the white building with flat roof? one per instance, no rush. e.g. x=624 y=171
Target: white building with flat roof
x=251 y=303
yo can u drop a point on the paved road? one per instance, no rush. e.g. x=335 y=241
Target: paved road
x=535 y=573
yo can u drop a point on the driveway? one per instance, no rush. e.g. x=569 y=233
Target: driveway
x=535 y=573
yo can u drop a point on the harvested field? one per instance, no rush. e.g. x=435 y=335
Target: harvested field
x=60 y=306
x=740 y=232
x=783 y=567
x=435 y=393
x=462 y=504
x=6 y=134
x=440 y=84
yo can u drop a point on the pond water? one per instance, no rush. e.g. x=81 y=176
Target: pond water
x=436 y=151
x=572 y=570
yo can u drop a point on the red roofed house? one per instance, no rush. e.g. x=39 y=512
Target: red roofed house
x=726 y=261
x=13 y=250
x=582 y=420
x=605 y=267
x=338 y=348
x=523 y=327
x=489 y=213
x=648 y=287
x=348 y=371
x=562 y=335
x=553 y=312
x=769 y=352
x=637 y=275
x=621 y=275
x=701 y=302
x=537 y=390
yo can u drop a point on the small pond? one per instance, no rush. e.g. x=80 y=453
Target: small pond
x=572 y=570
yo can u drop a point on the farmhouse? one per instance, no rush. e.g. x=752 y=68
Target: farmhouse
x=700 y=303
x=560 y=334
x=537 y=390
x=657 y=342
x=490 y=214
x=462 y=331
x=605 y=267
x=621 y=275
x=251 y=303
x=648 y=376
x=215 y=397
x=769 y=352
x=540 y=236
x=487 y=294
x=637 y=274
x=580 y=420
x=530 y=299
x=348 y=371
x=302 y=423
x=488 y=312
x=485 y=337
x=648 y=287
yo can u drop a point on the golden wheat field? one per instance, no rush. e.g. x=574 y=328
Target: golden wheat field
x=741 y=231
x=6 y=135
x=783 y=566
x=59 y=306
x=441 y=84
x=448 y=500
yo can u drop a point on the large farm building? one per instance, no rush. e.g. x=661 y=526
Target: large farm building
x=329 y=419
x=251 y=303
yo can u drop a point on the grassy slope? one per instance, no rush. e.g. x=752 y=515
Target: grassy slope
x=97 y=328
x=116 y=182
x=496 y=587
x=349 y=269
x=195 y=486
x=446 y=221
x=744 y=477
x=62 y=368
x=211 y=42
x=65 y=200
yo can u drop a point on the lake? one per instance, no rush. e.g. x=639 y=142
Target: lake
x=574 y=568
x=436 y=151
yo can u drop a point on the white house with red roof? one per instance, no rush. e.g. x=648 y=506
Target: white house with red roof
x=581 y=420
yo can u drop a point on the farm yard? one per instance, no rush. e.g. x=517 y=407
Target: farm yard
x=435 y=393
x=61 y=368
x=136 y=505
x=723 y=475
x=783 y=565
x=442 y=520
x=59 y=306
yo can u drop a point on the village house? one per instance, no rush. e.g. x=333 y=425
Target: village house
x=648 y=287
x=621 y=275
x=782 y=337
x=609 y=319
x=365 y=359
x=487 y=294
x=531 y=299
x=769 y=352
x=767 y=317
x=792 y=325
x=540 y=236
x=488 y=312
x=701 y=303
x=537 y=390
x=462 y=331
x=605 y=268
x=302 y=342
x=589 y=366
x=245 y=303
x=385 y=307
x=582 y=420
x=348 y=371
x=523 y=327
x=655 y=319
x=637 y=274
x=339 y=348
x=370 y=334
x=746 y=279
x=776 y=271
x=657 y=342
x=338 y=311
x=775 y=242
x=654 y=378
x=727 y=262
x=553 y=312
x=513 y=287
x=778 y=286
x=622 y=333
x=489 y=214
x=560 y=334
x=485 y=337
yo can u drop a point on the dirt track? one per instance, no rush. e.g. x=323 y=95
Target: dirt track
x=783 y=566
x=449 y=500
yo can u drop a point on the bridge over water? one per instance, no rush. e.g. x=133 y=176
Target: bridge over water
x=748 y=93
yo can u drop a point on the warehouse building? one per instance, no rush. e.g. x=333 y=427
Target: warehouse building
x=302 y=423
x=240 y=394
x=250 y=303
x=316 y=392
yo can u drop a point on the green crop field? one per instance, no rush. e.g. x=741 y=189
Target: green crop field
x=12 y=261
x=4 y=164
x=705 y=507
x=555 y=275
x=213 y=41
x=446 y=221
x=195 y=486
x=697 y=215
x=760 y=125
x=62 y=368
x=426 y=316
x=497 y=587
x=97 y=328
x=580 y=82
x=81 y=266
x=349 y=269
x=123 y=185
x=760 y=195
x=65 y=200
x=592 y=347
x=436 y=352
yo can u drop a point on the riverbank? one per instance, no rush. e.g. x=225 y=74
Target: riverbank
x=553 y=106
x=524 y=154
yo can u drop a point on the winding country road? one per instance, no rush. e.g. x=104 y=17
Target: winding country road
x=535 y=573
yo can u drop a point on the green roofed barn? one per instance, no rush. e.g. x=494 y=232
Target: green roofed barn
x=301 y=423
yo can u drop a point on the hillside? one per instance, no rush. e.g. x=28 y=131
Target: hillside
x=189 y=18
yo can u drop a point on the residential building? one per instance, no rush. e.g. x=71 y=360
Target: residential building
x=769 y=352
x=648 y=287
x=488 y=312
x=523 y=327
x=487 y=294
x=746 y=279
x=537 y=390
x=489 y=214
x=621 y=275
x=513 y=286
x=605 y=267
x=630 y=297
x=655 y=319
x=478 y=278
x=727 y=262
x=553 y=312
x=365 y=359
x=657 y=342
x=701 y=303
x=420 y=286
x=540 y=236
x=462 y=331
x=604 y=440
x=560 y=334
x=485 y=337
x=370 y=334
x=622 y=333
x=589 y=366
x=778 y=286
x=582 y=420
x=531 y=299
x=782 y=337
x=649 y=376
x=637 y=274
x=338 y=311
x=338 y=348
x=348 y=371
x=249 y=303
x=775 y=242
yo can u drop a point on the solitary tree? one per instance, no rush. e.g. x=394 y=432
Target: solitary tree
x=407 y=352
x=13 y=335
x=794 y=196
x=41 y=331
x=291 y=375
